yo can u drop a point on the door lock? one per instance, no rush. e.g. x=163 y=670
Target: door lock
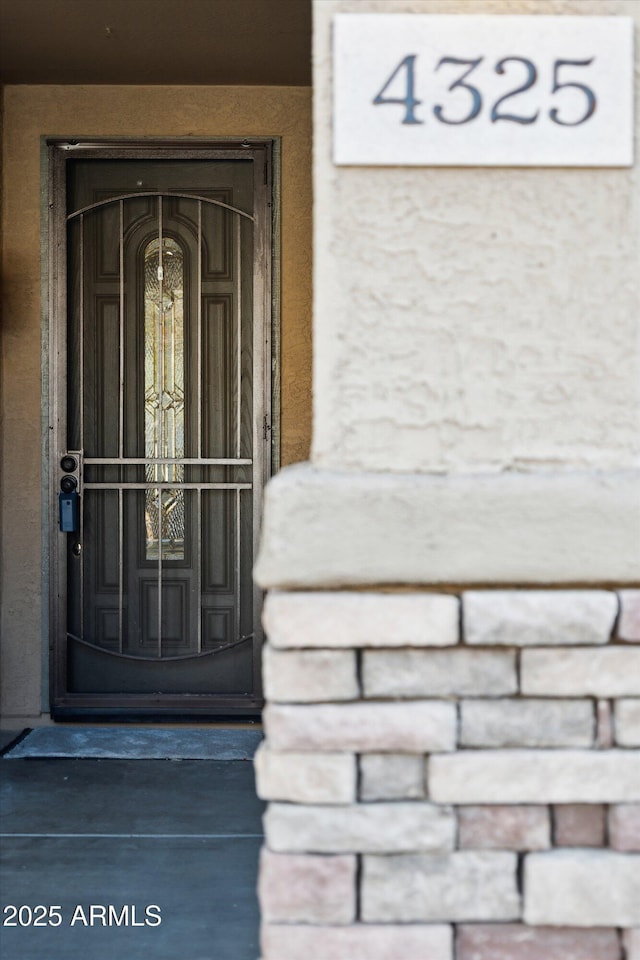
x=69 y=496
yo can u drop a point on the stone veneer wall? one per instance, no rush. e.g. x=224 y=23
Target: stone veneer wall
x=451 y=777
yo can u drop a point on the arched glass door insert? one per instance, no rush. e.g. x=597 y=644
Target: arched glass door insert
x=166 y=366
x=164 y=396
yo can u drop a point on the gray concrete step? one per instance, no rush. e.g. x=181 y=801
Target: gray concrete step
x=181 y=835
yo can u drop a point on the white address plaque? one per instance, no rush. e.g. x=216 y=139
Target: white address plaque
x=428 y=90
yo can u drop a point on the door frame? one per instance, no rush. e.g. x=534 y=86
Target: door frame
x=264 y=151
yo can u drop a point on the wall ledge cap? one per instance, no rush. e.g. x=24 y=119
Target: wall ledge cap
x=325 y=528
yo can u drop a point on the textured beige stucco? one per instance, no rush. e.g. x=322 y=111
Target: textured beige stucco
x=29 y=113
x=476 y=365
x=473 y=319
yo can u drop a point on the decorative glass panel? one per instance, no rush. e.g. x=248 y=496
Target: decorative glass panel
x=164 y=407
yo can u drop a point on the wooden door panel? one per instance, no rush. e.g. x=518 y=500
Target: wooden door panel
x=160 y=364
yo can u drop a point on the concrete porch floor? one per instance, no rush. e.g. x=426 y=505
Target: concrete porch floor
x=180 y=834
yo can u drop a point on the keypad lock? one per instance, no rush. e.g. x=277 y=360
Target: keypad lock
x=69 y=497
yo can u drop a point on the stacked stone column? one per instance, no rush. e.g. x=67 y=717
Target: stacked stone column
x=451 y=776
x=452 y=671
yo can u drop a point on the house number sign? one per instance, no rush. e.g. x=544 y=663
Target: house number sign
x=416 y=90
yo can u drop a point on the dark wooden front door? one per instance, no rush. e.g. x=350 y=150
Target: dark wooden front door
x=161 y=401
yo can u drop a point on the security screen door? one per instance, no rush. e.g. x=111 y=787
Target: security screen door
x=161 y=425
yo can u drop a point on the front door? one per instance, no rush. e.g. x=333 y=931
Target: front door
x=160 y=427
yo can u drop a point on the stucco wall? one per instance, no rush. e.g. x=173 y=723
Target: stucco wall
x=34 y=111
x=473 y=319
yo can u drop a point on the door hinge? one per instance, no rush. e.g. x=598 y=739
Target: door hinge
x=266 y=428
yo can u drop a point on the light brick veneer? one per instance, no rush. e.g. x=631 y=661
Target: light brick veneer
x=451 y=777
